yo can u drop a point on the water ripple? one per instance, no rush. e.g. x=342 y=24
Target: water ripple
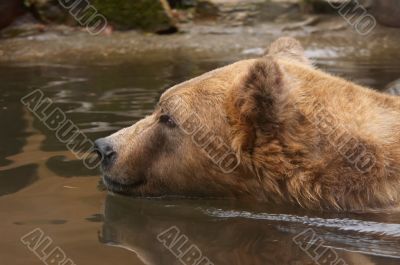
x=345 y=224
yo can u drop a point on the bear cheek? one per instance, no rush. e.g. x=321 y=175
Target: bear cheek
x=142 y=158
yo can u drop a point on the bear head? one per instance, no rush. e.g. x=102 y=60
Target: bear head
x=202 y=137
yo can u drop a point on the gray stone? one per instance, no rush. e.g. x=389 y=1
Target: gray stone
x=387 y=12
x=49 y=11
x=151 y=15
x=393 y=88
x=228 y=10
x=9 y=10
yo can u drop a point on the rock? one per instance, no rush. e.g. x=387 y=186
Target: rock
x=151 y=15
x=49 y=11
x=23 y=26
x=228 y=10
x=393 y=88
x=281 y=11
x=326 y=6
x=9 y=11
x=182 y=3
x=207 y=9
x=387 y=12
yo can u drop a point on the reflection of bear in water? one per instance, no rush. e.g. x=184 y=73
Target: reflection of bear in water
x=135 y=224
x=269 y=129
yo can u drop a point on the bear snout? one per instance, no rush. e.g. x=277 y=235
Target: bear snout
x=105 y=151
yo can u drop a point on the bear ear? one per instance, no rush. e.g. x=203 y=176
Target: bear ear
x=289 y=49
x=254 y=103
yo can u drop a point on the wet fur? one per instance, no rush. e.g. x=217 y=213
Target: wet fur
x=273 y=129
x=267 y=110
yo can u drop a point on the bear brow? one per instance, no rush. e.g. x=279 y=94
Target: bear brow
x=163 y=106
x=172 y=103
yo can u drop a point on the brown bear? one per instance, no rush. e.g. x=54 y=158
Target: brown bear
x=268 y=129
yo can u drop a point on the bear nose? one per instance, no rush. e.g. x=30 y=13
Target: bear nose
x=105 y=151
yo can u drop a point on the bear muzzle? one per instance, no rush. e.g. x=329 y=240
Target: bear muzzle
x=106 y=152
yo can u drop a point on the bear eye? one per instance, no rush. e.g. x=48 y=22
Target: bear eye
x=167 y=120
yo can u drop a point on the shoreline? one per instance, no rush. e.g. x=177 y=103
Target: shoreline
x=327 y=39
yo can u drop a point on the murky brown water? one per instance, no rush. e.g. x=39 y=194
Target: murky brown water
x=42 y=185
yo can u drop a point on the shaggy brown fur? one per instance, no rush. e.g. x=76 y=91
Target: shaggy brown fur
x=301 y=136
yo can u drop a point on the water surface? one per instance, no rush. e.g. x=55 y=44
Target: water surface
x=43 y=185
